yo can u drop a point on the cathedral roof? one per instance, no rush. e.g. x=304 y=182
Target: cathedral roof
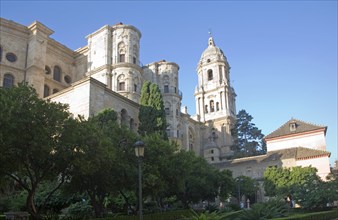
x=294 y=126
x=212 y=52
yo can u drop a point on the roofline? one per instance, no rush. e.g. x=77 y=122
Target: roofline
x=296 y=134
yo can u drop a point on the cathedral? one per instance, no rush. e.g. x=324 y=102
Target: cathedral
x=107 y=73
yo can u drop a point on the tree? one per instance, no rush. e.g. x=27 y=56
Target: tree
x=279 y=181
x=36 y=141
x=193 y=179
x=152 y=114
x=302 y=184
x=101 y=169
x=157 y=165
x=248 y=139
x=244 y=185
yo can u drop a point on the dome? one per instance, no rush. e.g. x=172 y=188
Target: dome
x=212 y=53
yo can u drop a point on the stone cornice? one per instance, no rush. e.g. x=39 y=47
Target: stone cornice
x=91 y=80
x=162 y=62
x=53 y=45
x=11 y=68
x=124 y=26
x=36 y=27
x=106 y=27
x=4 y=23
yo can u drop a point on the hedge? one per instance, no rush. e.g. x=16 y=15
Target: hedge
x=326 y=215
x=170 y=215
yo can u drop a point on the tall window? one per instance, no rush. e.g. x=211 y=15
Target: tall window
x=57 y=73
x=8 y=81
x=135 y=88
x=212 y=107
x=45 y=91
x=166 y=88
x=122 y=58
x=217 y=106
x=124 y=117
x=122 y=86
x=210 y=75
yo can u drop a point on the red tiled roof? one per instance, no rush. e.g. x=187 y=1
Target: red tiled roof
x=300 y=127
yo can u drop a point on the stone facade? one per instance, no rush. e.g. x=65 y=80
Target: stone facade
x=107 y=73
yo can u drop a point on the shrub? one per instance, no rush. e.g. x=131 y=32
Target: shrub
x=327 y=215
x=268 y=210
x=78 y=210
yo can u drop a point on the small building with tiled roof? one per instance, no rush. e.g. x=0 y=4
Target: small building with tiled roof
x=295 y=143
x=295 y=133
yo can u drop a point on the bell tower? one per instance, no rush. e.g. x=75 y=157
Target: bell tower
x=215 y=101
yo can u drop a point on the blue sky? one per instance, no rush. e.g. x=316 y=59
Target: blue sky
x=283 y=54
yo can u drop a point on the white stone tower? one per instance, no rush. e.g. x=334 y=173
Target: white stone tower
x=165 y=75
x=215 y=103
x=113 y=58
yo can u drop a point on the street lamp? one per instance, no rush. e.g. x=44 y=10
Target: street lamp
x=239 y=180
x=139 y=152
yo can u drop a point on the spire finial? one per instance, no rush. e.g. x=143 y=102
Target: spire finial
x=209 y=32
x=211 y=40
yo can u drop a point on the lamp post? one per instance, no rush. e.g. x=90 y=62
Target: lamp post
x=239 y=191
x=139 y=152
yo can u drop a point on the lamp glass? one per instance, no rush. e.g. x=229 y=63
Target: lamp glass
x=139 y=149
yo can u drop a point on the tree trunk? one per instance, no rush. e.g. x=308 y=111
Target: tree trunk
x=31 y=206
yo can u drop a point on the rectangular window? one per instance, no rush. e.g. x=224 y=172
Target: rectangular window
x=134 y=60
x=135 y=88
x=166 y=88
x=122 y=58
x=121 y=86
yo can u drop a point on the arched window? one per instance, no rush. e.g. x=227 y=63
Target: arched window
x=8 y=80
x=167 y=107
x=57 y=73
x=45 y=91
x=124 y=117
x=210 y=75
x=131 y=124
x=217 y=106
x=122 y=52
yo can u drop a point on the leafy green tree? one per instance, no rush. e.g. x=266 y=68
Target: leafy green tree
x=101 y=168
x=244 y=185
x=316 y=194
x=152 y=114
x=279 y=181
x=35 y=141
x=248 y=139
x=194 y=180
x=157 y=164
x=302 y=184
